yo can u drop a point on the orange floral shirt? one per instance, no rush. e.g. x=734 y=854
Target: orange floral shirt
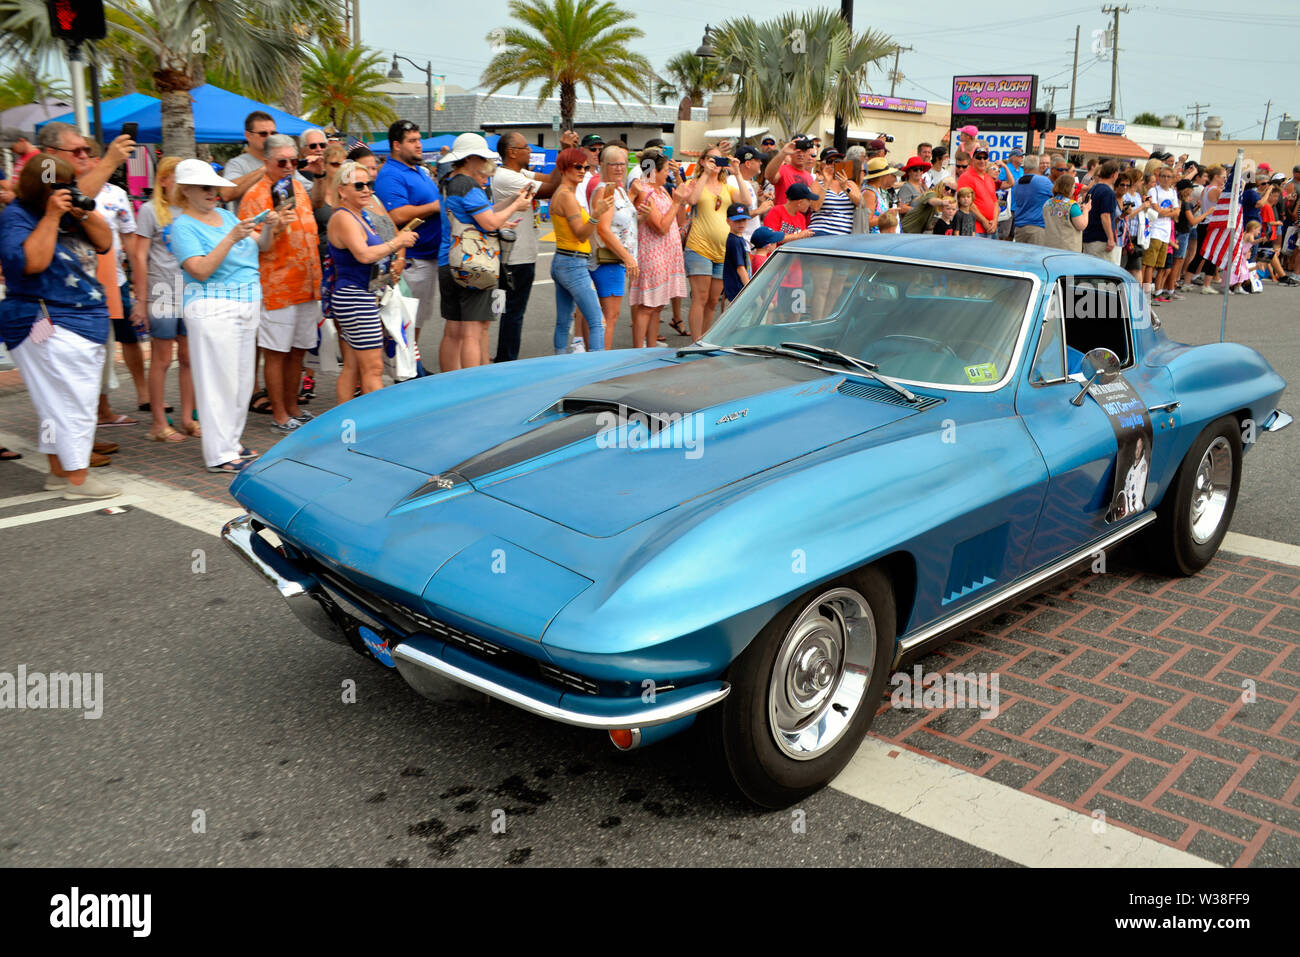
x=291 y=271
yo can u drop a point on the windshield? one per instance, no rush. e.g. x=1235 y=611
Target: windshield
x=933 y=325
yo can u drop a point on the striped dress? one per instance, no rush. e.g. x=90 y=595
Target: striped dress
x=835 y=218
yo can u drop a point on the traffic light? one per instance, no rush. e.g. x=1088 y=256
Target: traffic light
x=77 y=20
x=1040 y=121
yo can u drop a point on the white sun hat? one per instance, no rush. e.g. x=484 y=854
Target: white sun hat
x=469 y=144
x=193 y=172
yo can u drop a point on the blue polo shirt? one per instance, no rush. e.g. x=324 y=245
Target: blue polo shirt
x=400 y=185
x=68 y=286
x=465 y=199
x=1027 y=198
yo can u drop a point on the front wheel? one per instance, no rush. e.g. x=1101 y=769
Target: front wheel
x=806 y=689
x=1197 y=509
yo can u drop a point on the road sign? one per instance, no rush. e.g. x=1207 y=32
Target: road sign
x=1067 y=142
x=555 y=123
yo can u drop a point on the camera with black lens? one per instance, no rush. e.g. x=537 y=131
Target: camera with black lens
x=76 y=197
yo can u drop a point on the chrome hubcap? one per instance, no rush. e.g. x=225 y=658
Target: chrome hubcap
x=821 y=673
x=1210 y=493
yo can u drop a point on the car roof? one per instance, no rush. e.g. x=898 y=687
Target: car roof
x=1043 y=261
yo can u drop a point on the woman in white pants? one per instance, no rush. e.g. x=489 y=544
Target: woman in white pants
x=222 y=305
x=54 y=319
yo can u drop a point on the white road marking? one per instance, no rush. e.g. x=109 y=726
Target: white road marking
x=1020 y=827
x=28 y=499
x=1261 y=548
x=77 y=508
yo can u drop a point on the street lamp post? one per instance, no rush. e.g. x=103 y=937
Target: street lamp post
x=395 y=73
x=706 y=52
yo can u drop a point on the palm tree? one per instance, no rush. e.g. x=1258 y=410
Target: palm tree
x=338 y=86
x=693 y=76
x=23 y=84
x=569 y=44
x=799 y=66
x=252 y=38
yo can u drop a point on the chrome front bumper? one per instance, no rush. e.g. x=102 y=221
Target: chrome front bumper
x=420 y=659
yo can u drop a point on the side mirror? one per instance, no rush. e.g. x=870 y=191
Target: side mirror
x=1098 y=365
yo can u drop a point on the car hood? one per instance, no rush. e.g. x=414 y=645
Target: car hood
x=614 y=452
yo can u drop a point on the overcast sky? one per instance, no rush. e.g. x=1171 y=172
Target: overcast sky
x=1236 y=78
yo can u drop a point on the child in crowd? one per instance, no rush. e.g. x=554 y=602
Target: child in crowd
x=962 y=222
x=1239 y=283
x=764 y=242
x=735 y=265
x=888 y=221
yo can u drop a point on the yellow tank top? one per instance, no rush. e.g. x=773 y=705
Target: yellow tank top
x=564 y=238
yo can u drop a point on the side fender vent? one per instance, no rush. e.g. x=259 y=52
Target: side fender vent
x=976 y=563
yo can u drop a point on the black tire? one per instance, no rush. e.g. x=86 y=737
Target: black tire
x=1171 y=545
x=739 y=730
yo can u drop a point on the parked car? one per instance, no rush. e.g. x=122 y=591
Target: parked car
x=882 y=440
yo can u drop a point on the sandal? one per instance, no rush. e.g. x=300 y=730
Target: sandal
x=166 y=435
x=192 y=430
x=116 y=421
x=9 y=455
x=677 y=327
x=232 y=467
x=260 y=403
x=148 y=407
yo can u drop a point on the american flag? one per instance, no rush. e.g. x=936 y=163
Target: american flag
x=1223 y=245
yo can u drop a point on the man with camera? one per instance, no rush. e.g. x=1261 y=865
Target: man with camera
x=290 y=270
x=792 y=165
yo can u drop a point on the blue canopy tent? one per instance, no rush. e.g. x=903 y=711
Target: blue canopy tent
x=111 y=111
x=218 y=117
x=430 y=144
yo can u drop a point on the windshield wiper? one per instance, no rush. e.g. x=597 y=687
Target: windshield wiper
x=868 y=368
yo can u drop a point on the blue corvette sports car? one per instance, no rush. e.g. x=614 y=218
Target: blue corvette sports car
x=882 y=440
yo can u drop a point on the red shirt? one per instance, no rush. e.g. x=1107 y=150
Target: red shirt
x=786 y=222
x=986 y=198
x=786 y=177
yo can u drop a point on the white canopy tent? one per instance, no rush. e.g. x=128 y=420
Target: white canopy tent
x=733 y=132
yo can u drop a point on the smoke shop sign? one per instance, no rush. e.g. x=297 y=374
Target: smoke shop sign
x=993 y=95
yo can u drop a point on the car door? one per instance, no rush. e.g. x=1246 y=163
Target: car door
x=1091 y=458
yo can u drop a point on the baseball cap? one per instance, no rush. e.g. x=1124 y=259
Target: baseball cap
x=799 y=191
x=12 y=134
x=1265 y=167
x=738 y=211
x=653 y=143
x=763 y=236
x=830 y=153
x=748 y=152
x=875 y=145
x=769 y=139
x=972 y=131
x=592 y=139
x=1017 y=152
x=1278 y=177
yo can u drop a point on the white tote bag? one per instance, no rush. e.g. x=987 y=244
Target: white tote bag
x=397 y=314
x=325 y=357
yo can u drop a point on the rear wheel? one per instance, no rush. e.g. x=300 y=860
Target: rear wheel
x=806 y=689
x=1197 y=509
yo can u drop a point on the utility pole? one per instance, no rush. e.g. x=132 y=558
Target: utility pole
x=841 y=127
x=894 y=76
x=1114 y=55
x=1263 y=133
x=1051 y=89
x=1197 y=107
x=356 y=23
x=1074 y=73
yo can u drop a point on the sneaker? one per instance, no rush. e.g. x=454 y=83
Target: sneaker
x=285 y=428
x=55 y=483
x=1176 y=295
x=1198 y=280
x=1208 y=290
x=577 y=345
x=90 y=489
x=304 y=416
x=1236 y=291
x=1289 y=281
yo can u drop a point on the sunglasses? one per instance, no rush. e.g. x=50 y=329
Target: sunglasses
x=262 y=132
x=336 y=164
x=963 y=166
x=285 y=163
x=980 y=156
x=79 y=151
x=315 y=146
x=949 y=189
x=582 y=168
x=361 y=186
